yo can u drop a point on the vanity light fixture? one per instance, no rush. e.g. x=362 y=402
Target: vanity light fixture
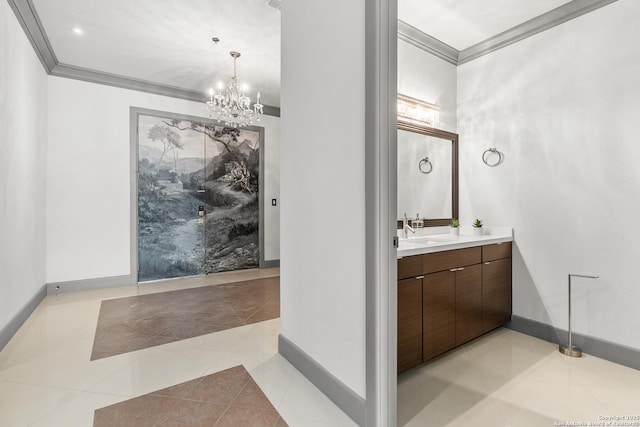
x=417 y=111
x=231 y=104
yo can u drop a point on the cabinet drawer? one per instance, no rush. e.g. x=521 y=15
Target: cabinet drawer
x=410 y=266
x=440 y=261
x=496 y=251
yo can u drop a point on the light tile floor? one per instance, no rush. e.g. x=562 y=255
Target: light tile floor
x=502 y=379
x=509 y=379
x=47 y=379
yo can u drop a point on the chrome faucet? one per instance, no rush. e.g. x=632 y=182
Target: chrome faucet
x=407 y=227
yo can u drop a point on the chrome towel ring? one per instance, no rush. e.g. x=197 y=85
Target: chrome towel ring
x=493 y=150
x=422 y=164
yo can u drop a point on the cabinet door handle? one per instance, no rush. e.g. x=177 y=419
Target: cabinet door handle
x=461 y=268
x=453 y=270
x=419 y=277
x=487 y=263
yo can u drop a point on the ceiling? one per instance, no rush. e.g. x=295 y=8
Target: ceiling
x=168 y=42
x=464 y=23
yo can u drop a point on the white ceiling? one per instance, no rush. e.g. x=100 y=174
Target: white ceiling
x=169 y=41
x=463 y=23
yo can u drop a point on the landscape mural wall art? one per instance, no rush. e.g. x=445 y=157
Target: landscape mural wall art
x=198 y=197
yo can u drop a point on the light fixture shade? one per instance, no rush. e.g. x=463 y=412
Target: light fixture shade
x=416 y=111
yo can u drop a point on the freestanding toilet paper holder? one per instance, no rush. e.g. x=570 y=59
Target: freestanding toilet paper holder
x=571 y=350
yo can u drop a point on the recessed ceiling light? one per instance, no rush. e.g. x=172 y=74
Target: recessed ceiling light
x=77 y=30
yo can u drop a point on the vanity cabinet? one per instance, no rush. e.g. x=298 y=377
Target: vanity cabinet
x=451 y=302
x=438 y=314
x=448 y=298
x=409 y=323
x=496 y=285
x=468 y=303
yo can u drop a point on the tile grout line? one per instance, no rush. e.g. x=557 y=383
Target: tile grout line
x=232 y=400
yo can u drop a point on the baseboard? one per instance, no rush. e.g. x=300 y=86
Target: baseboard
x=18 y=320
x=89 y=284
x=352 y=404
x=603 y=349
x=272 y=263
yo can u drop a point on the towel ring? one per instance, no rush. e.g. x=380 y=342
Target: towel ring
x=495 y=151
x=423 y=162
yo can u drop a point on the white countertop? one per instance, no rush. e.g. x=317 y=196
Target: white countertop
x=434 y=239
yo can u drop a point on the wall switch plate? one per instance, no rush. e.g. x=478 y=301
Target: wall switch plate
x=273 y=202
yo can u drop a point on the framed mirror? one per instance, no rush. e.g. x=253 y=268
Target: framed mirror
x=427 y=174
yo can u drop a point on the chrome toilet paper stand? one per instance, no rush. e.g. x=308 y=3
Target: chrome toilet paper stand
x=571 y=350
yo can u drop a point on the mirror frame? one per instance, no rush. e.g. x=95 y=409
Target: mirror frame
x=449 y=136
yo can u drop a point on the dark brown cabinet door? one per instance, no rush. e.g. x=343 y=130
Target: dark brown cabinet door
x=409 y=323
x=496 y=293
x=468 y=303
x=439 y=313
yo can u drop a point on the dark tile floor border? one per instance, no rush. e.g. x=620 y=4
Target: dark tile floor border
x=224 y=399
x=143 y=321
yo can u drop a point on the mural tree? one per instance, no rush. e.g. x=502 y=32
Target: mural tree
x=241 y=158
x=226 y=136
x=170 y=141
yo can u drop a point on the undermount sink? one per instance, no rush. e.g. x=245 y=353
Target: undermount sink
x=419 y=242
x=416 y=242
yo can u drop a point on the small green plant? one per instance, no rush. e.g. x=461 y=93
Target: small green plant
x=477 y=223
x=455 y=223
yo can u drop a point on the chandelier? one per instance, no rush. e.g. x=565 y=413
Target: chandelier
x=230 y=104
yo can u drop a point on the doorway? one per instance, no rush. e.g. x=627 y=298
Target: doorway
x=198 y=196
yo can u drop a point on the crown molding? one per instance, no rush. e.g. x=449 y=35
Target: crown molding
x=28 y=18
x=429 y=44
x=93 y=76
x=534 y=26
x=541 y=23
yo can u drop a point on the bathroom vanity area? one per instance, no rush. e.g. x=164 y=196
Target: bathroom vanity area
x=451 y=289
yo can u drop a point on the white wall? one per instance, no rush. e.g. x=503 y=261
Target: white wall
x=563 y=106
x=88 y=177
x=429 y=78
x=322 y=183
x=23 y=142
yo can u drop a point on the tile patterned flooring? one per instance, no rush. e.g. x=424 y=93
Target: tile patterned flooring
x=143 y=321
x=48 y=380
x=502 y=379
x=225 y=399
